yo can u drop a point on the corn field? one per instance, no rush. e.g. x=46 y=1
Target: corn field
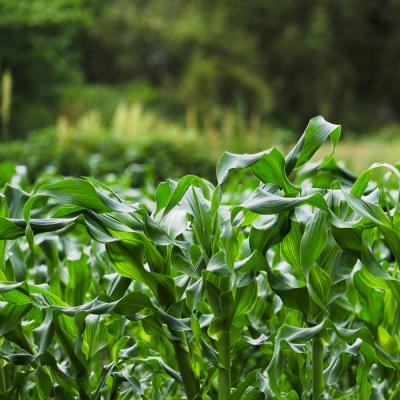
x=279 y=282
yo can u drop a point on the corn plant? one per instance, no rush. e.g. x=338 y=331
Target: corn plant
x=278 y=282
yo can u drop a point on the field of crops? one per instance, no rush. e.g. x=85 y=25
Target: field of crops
x=279 y=282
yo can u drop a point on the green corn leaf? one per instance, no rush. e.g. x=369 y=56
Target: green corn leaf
x=44 y=334
x=95 y=336
x=290 y=248
x=319 y=285
x=267 y=203
x=246 y=295
x=268 y=166
x=218 y=266
x=368 y=210
x=314 y=239
x=291 y=290
x=316 y=133
x=11 y=229
x=363 y=180
x=15 y=293
x=169 y=199
x=127 y=257
x=253 y=263
x=194 y=293
x=373 y=274
x=364 y=391
x=78 y=192
x=10 y=316
x=44 y=386
x=264 y=236
x=79 y=280
x=16 y=199
x=213 y=296
x=14 y=228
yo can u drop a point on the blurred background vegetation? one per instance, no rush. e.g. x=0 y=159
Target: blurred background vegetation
x=92 y=86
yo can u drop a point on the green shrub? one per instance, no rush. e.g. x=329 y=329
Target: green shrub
x=99 y=156
x=92 y=146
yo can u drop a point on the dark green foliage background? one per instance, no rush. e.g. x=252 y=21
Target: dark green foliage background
x=283 y=60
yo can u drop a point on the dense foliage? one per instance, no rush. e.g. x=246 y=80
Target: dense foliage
x=261 y=58
x=157 y=156
x=280 y=282
x=164 y=149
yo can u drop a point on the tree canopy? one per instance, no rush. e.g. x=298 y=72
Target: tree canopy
x=281 y=60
